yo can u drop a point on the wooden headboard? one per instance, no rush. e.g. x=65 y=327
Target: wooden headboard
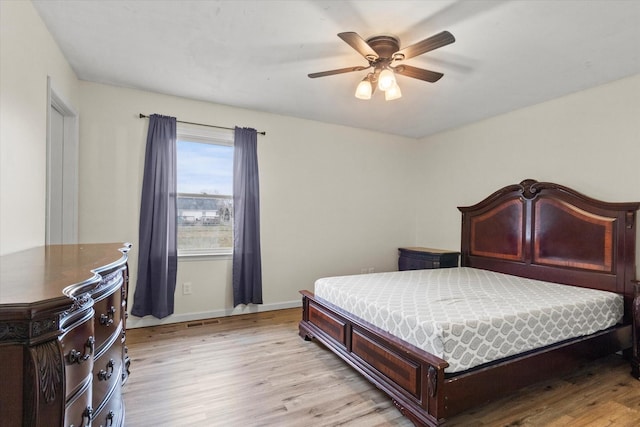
x=546 y=231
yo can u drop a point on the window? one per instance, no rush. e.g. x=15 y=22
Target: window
x=205 y=190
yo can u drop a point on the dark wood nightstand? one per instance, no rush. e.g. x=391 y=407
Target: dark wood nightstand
x=417 y=258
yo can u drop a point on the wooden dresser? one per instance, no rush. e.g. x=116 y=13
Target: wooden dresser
x=63 y=358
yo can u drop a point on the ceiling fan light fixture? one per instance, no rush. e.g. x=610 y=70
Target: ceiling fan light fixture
x=383 y=53
x=393 y=93
x=386 y=80
x=364 y=89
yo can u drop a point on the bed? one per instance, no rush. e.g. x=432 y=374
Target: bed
x=534 y=232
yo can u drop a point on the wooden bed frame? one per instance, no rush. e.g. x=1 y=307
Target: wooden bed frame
x=538 y=230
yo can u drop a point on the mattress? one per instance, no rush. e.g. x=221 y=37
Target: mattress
x=468 y=316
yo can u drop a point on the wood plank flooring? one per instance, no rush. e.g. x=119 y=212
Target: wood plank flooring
x=254 y=370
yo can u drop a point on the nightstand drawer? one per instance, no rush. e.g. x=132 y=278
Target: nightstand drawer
x=418 y=258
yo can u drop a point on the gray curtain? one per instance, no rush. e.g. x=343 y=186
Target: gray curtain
x=247 y=267
x=157 y=252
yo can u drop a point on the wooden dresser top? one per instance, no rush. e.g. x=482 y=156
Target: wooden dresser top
x=42 y=273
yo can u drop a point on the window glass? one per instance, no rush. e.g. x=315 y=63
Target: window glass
x=205 y=193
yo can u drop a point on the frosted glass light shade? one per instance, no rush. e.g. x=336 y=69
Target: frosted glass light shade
x=393 y=93
x=363 y=91
x=386 y=79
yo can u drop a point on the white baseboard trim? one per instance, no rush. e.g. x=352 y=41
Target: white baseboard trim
x=143 y=322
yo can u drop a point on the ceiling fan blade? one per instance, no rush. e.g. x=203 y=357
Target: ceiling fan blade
x=338 y=71
x=418 y=73
x=441 y=39
x=359 y=44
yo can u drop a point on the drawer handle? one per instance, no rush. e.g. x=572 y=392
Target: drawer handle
x=107 y=319
x=110 y=416
x=75 y=356
x=105 y=375
x=88 y=414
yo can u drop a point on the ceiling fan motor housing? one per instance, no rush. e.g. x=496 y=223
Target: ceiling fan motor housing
x=385 y=46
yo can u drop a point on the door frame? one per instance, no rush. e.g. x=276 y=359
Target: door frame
x=69 y=192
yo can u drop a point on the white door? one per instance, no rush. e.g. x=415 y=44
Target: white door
x=62 y=172
x=56 y=168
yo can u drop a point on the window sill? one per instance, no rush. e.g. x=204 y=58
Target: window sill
x=204 y=256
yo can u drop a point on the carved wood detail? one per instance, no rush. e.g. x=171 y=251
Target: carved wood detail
x=432 y=377
x=529 y=188
x=21 y=331
x=80 y=302
x=14 y=331
x=49 y=366
x=44 y=326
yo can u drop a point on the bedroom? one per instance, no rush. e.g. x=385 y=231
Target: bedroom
x=592 y=135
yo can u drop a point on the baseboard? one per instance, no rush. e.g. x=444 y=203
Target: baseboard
x=142 y=322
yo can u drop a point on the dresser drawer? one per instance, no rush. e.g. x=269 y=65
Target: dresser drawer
x=112 y=412
x=78 y=346
x=107 y=372
x=78 y=411
x=331 y=325
x=108 y=316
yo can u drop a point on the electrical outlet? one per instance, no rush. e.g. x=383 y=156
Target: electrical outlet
x=186 y=288
x=371 y=270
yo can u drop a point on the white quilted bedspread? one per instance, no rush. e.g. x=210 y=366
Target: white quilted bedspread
x=468 y=316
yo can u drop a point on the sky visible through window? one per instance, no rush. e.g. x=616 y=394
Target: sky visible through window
x=204 y=168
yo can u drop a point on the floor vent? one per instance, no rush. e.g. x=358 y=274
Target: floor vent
x=203 y=323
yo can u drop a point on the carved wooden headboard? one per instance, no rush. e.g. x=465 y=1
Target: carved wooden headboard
x=546 y=231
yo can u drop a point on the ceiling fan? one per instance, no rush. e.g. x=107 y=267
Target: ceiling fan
x=385 y=57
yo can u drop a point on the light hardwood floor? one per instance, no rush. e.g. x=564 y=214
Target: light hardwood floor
x=254 y=370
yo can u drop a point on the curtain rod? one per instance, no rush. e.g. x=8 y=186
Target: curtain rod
x=142 y=116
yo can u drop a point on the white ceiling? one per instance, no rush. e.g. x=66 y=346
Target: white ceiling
x=256 y=54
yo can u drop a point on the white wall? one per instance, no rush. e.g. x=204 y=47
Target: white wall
x=333 y=199
x=29 y=55
x=589 y=141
